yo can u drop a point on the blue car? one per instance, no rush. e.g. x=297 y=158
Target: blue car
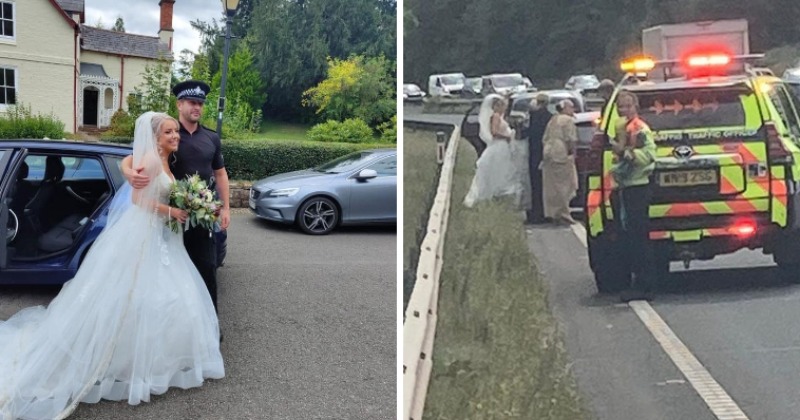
x=54 y=199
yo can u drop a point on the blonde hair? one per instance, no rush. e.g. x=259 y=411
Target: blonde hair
x=158 y=120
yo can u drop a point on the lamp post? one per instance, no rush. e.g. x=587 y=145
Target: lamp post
x=230 y=11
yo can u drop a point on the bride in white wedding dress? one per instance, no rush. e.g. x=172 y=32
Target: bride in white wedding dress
x=135 y=320
x=495 y=174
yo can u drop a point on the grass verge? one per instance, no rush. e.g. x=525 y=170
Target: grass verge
x=420 y=178
x=498 y=352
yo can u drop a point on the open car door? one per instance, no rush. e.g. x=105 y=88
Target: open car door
x=8 y=220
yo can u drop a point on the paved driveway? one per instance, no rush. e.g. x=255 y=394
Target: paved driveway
x=310 y=329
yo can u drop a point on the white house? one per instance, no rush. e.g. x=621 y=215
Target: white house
x=50 y=60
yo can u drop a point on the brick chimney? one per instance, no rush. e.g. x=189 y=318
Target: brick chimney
x=165 y=32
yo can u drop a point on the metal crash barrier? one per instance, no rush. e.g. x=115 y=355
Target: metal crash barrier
x=419 y=328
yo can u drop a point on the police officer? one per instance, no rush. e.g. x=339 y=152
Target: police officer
x=200 y=152
x=634 y=156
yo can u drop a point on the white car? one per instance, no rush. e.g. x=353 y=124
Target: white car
x=412 y=93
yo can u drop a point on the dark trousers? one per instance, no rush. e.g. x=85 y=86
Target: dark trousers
x=536 y=212
x=202 y=251
x=635 y=251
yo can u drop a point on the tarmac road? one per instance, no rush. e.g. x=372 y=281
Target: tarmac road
x=733 y=314
x=309 y=323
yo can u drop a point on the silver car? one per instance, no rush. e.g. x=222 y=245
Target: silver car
x=359 y=188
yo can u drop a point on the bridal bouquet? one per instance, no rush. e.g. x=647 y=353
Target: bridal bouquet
x=193 y=195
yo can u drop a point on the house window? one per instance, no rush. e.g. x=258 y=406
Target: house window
x=6 y=19
x=8 y=86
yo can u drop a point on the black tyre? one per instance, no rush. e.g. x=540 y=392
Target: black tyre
x=318 y=216
x=789 y=271
x=610 y=279
x=609 y=275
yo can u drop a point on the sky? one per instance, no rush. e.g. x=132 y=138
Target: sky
x=142 y=17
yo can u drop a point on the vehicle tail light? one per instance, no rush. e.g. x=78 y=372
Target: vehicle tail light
x=744 y=228
x=595 y=164
x=775 y=148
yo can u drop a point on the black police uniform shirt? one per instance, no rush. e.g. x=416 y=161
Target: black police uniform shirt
x=199 y=152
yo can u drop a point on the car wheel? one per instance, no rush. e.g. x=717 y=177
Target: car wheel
x=609 y=275
x=318 y=216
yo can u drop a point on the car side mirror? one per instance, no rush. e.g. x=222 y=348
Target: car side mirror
x=366 y=174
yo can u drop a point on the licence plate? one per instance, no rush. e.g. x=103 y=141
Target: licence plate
x=252 y=204
x=687 y=178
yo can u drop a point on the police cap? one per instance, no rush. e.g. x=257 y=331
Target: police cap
x=191 y=89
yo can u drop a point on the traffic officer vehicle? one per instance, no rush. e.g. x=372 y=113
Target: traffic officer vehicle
x=727 y=169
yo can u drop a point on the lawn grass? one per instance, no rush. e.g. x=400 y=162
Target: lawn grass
x=498 y=352
x=280 y=130
x=420 y=178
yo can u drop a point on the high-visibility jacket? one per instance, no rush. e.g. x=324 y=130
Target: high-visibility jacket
x=636 y=164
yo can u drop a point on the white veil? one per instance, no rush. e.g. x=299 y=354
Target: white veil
x=485 y=117
x=145 y=155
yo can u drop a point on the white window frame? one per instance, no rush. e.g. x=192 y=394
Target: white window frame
x=4 y=67
x=13 y=20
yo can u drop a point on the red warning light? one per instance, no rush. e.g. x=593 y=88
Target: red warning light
x=708 y=60
x=744 y=228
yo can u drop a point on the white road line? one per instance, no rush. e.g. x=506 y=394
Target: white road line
x=717 y=399
x=580 y=232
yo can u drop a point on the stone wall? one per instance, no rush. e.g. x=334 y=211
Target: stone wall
x=240 y=193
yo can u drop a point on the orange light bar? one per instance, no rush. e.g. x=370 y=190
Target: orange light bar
x=638 y=65
x=713 y=60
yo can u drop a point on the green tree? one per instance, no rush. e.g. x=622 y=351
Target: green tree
x=155 y=89
x=549 y=40
x=119 y=25
x=356 y=87
x=291 y=41
x=243 y=79
x=184 y=64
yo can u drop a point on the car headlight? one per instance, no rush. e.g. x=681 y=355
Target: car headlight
x=284 y=192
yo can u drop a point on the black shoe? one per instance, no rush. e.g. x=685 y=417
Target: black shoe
x=630 y=295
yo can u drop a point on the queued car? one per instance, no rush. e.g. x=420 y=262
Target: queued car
x=517 y=113
x=412 y=93
x=582 y=83
x=587 y=123
x=505 y=84
x=54 y=201
x=472 y=87
x=792 y=79
x=356 y=189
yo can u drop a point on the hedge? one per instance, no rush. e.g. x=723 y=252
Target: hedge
x=256 y=159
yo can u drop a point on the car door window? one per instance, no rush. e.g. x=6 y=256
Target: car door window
x=83 y=169
x=35 y=167
x=114 y=164
x=791 y=104
x=385 y=167
x=783 y=105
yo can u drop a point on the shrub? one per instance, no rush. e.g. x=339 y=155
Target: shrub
x=19 y=122
x=352 y=130
x=388 y=131
x=255 y=159
x=122 y=125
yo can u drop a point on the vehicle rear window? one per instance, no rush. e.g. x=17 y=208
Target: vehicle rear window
x=585 y=132
x=692 y=108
